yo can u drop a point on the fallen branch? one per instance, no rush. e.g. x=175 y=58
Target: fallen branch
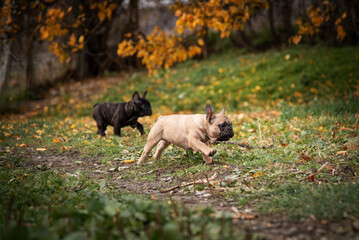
x=246 y=146
x=201 y=181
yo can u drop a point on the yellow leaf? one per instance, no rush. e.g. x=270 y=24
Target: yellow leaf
x=341 y=33
x=178 y=13
x=296 y=39
x=72 y=40
x=56 y=140
x=64 y=148
x=22 y=145
x=153 y=197
x=81 y=39
x=101 y=15
x=297 y=94
x=128 y=161
x=41 y=149
x=44 y=33
x=73 y=125
x=314 y=90
x=200 y=42
x=341 y=152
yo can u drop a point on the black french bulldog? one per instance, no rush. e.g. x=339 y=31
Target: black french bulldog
x=121 y=114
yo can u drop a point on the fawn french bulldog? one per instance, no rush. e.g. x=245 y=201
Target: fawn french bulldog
x=191 y=132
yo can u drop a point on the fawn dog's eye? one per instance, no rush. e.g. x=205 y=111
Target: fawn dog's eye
x=222 y=125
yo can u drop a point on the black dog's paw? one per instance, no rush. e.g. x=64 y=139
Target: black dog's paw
x=212 y=152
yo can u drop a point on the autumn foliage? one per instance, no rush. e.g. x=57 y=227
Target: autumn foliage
x=323 y=16
x=222 y=16
x=159 y=49
x=67 y=33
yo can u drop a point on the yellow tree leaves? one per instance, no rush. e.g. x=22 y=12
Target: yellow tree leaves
x=222 y=16
x=318 y=18
x=67 y=33
x=104 y=9
x=53 y=29
x=158 y=50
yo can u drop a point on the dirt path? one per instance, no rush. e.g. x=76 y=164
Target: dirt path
x=268 y=226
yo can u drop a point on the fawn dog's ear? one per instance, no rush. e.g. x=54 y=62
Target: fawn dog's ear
x=223 y=111
x=210 y=115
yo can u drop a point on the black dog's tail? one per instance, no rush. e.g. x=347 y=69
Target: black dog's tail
x=95 y=105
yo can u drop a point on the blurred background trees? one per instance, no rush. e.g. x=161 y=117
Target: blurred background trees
x=46 y=41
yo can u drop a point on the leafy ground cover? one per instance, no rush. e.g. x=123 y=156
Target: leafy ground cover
x=60 y=180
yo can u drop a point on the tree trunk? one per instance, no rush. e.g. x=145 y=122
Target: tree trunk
x=29 y=61
x=286 y=19
x=132 y=17
x=240 y=40
x=5 y=68
x=271 y=19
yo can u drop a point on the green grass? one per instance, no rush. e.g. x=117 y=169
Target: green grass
x=242 y=81
x=46 y=205
x=306 y=99
x=325 y=202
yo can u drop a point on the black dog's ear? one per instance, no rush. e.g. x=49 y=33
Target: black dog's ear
x=144 y=95
x=210 y=113
x=135 y=96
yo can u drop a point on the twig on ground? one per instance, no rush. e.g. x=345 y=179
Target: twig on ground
x=260 y=131
x=201 y=181
x=245 y=145
x=311 y=177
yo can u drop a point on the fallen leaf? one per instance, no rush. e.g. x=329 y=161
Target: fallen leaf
x=311 y=177
x=56 y=140
x=305 y=157
x=341 y=152
x=153 y=197
x=41 y=149
x=128 y=161
x=64 y=148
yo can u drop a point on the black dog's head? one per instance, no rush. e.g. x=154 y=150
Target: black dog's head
x=143 y=106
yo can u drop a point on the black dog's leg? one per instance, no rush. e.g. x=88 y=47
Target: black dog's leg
x=101 y=127
x=138 y=126
x=117 y=130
